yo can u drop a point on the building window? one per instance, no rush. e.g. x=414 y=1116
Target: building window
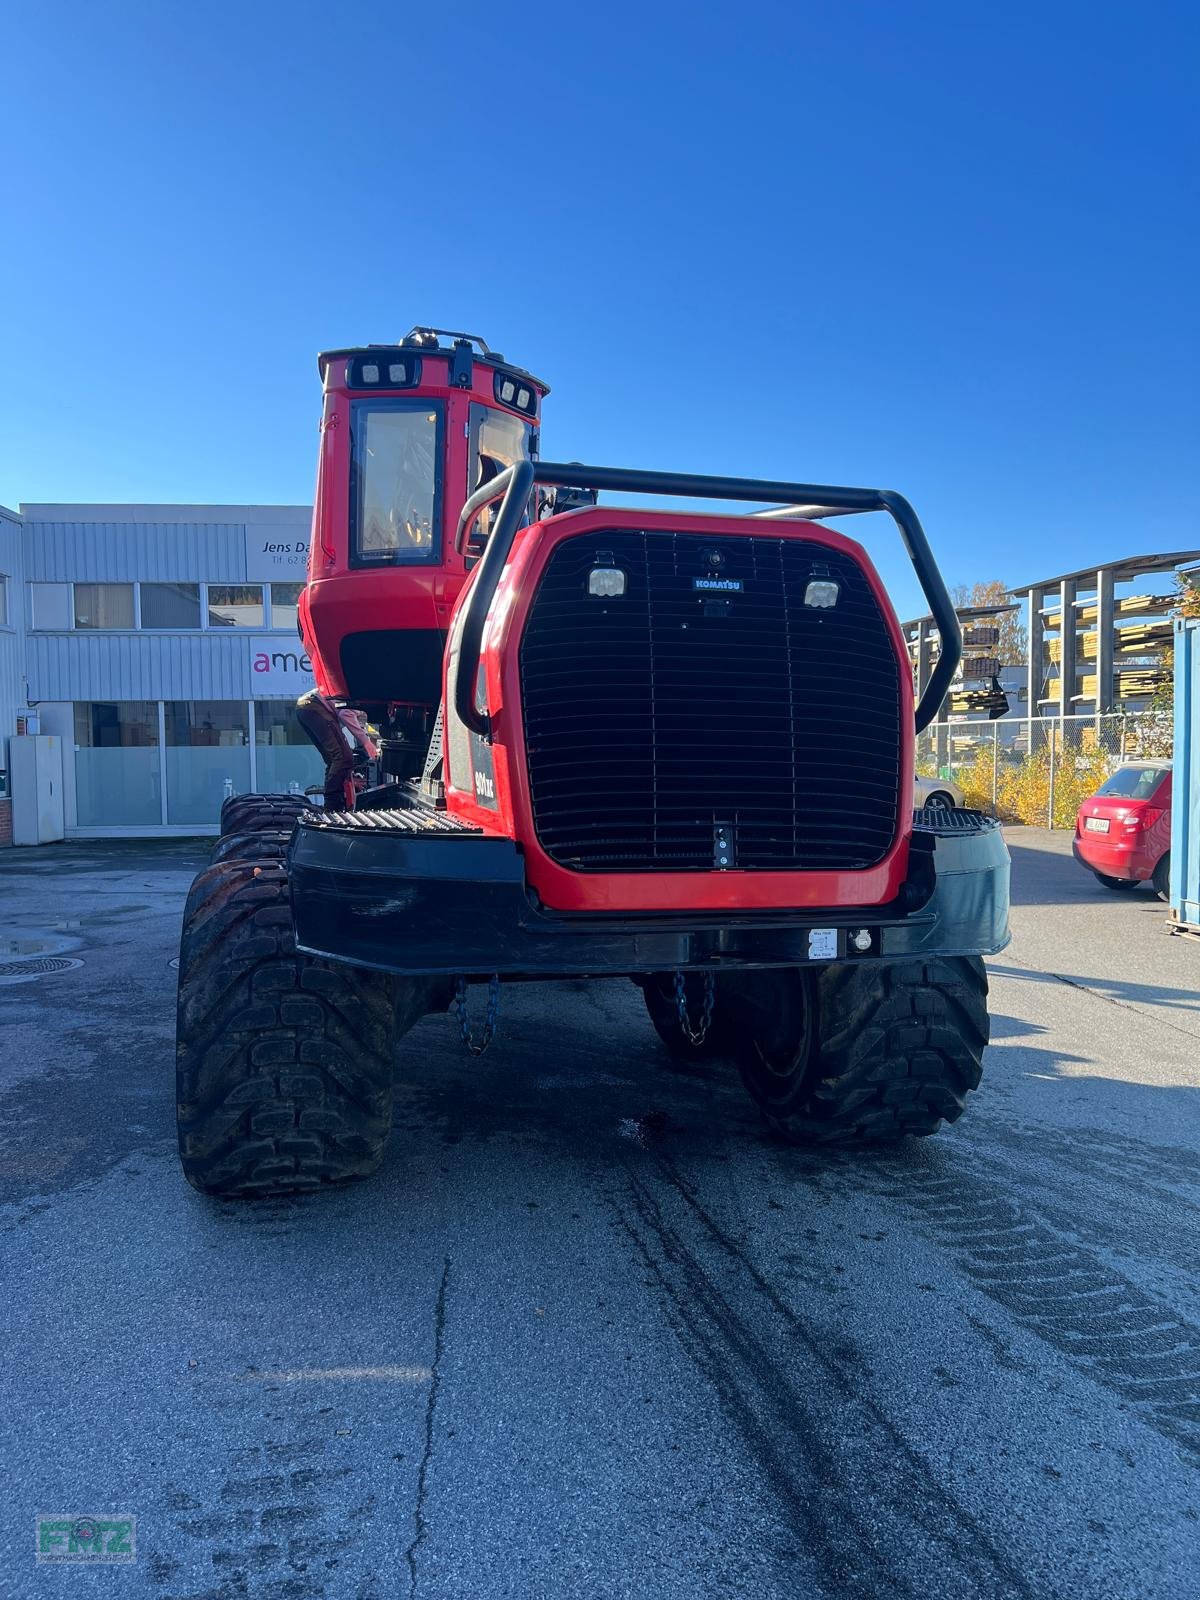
x=207 y=757
x=104 y=605
x=285 y=757
x=3 y=601
x=51 y=604
x=118 y=778
x=285 y=606
x=235 y=605
x=170 y=605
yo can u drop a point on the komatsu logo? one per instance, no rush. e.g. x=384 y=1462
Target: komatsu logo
x=724 y=585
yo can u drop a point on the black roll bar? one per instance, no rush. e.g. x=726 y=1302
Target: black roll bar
x=516 y=484
x=451 y=333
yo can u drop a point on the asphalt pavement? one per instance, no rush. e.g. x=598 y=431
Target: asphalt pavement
x=592 y=1332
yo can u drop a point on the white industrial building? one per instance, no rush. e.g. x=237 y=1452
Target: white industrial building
x=159 y=645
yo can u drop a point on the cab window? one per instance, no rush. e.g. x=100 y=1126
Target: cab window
x=395 y=481
x=497 y=441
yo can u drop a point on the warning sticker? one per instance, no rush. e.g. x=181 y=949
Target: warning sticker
x=822 y=944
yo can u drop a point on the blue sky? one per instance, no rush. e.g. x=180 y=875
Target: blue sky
x=933 y=247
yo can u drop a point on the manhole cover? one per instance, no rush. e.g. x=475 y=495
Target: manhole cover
x=36 y=966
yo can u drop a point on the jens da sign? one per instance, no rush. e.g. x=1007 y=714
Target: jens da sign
x=277 y=552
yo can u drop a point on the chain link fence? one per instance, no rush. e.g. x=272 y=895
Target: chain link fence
x=1039 y=769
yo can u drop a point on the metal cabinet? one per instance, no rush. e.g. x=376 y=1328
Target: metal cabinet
x=35 y=766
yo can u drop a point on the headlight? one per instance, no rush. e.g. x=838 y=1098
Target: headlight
x=607 y=582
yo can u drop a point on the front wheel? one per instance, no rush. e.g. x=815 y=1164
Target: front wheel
x=939 y=800
x=283 y=1063
x=864 y=1051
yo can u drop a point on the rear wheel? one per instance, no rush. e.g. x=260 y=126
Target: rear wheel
x=864 y=1051
x=658 y=991
x=939 y=800
x=283 y=1064
x=248 y=813
x=1119 y=884
x=1162 y=878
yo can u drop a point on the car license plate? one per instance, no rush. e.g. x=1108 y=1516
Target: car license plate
x=1096 y=824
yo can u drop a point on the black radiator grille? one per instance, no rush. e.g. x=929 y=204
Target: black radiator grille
x=674 y=723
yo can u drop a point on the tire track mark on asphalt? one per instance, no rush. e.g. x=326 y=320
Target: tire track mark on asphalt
x=1110 y=1330
x=289 y=1515
x=1075 y=1177
x=732 y=1335
x=280 y=1528
x=1172 y=1172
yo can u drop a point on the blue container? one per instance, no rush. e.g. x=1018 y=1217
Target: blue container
x=1185 y=783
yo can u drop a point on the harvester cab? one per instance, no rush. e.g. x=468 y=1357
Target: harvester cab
x=670 y=746
x=408 y=432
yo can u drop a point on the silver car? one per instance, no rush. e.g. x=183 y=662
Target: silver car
x=939 y=792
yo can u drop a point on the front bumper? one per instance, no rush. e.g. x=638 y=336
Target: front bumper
x=430 y=899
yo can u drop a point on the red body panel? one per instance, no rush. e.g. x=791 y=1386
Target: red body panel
x=341 y=599
x=1139 y=833
x=564 y=890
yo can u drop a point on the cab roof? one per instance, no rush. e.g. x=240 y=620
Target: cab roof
x=427 y=341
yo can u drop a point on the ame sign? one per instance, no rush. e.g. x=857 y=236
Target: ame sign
x=278 y=666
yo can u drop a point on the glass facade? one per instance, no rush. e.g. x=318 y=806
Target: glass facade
x=285 y=757
x=118 y=774
x=126 y=778
x=207 y=757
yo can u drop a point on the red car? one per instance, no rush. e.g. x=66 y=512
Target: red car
x=1123 y=833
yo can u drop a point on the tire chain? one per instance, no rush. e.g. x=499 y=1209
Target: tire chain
x=476 y=1047
x=695 y=1035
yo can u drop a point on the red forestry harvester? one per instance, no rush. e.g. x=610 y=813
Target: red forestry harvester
x=673 y=746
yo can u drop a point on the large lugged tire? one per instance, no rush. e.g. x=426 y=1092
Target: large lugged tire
x=283 y=1064
x=866 y=1051
x=271 y=846
x=250 y=813
x=658 y=991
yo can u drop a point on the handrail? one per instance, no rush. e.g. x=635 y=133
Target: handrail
x=515 y=484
